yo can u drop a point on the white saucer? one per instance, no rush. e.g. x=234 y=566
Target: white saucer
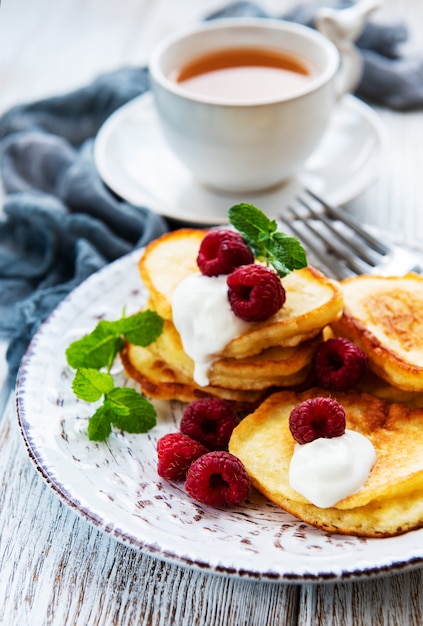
x=134 y=160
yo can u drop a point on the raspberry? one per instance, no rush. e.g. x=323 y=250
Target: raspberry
x=339 y=364
x=221 y=251
x=209 y=421
x=317 y=417
x=176 y=452
x=218 y=478
x=255 y=292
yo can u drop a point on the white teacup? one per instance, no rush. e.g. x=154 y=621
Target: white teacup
x=246 y=143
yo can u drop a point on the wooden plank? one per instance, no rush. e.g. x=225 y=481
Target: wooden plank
x=387 y=601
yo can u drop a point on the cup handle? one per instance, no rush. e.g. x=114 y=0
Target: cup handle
x=343 y=27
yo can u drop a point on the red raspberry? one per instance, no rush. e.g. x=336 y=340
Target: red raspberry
x=339 y=364
x=176 y=452
x=221 y=251
x=209 y=421
x=255 y=292
x=218 y=478
x=317 y=417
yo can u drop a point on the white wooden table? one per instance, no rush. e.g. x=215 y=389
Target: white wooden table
x=56 y=568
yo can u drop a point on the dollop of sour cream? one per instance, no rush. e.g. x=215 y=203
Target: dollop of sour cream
x=327 y=470
x=205 y=321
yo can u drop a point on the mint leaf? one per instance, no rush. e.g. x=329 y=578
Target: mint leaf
x=99 y=427
x=142 y=328
x=284 y=252
x=251 y=222
x=97 y=349
x=100 y=347
x=90 y=384
x=130 y=411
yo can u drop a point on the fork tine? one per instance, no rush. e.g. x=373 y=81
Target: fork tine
x=340 y=244
x=320 y=254
x=368 y=254
x=343 y=216
x=329 y=252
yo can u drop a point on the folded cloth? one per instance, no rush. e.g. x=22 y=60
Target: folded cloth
x=389 y=79
x=61 y=223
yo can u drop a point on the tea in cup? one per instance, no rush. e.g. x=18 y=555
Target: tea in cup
x=243 y=102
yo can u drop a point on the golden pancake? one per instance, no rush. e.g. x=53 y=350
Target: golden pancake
x=165 y=262
x=384 y=317
x=312 y=300
x=379 y=388
x=160 y=381
x=273 y=367
x=264 y=370
x=391 y=500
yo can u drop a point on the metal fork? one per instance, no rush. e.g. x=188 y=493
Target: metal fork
x=342 y=245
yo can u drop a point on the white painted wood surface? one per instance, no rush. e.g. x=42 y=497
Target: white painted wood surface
x=54 y=567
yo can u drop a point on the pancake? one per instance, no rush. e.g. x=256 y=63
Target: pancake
x=160 y=381
x=379 y=388
x=273 y=367
x=165 y=262
x=312 y=300
x=384 y=317
x=391 y=500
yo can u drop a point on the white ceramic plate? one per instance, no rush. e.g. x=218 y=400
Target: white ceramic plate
x=115 y=486
x=134 y=160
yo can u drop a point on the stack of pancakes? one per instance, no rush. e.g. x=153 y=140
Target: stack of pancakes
x=274 y=353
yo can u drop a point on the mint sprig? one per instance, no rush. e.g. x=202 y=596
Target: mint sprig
x=123 y=407
x=284 y=252
x=100 y=347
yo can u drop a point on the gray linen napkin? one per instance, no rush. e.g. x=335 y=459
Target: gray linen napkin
x=61 y=223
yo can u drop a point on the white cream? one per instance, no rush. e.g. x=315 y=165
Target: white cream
x=327 y=470
x=204 y=319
